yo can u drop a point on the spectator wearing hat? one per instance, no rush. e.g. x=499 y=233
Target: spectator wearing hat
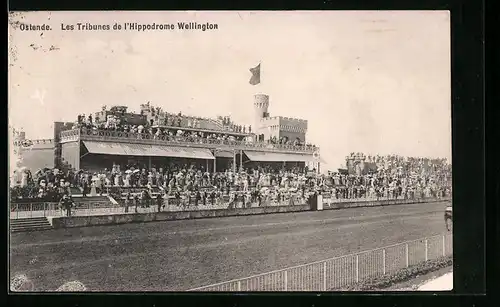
x=128 y=199
x=66 y=203
x=159 y=201
x=212 y=197
x=85 y=188
x=93 y=191
x=136 y=203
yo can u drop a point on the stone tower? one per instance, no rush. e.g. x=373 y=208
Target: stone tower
x=261 y=106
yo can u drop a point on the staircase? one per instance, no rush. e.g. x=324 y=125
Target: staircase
x=30 y=224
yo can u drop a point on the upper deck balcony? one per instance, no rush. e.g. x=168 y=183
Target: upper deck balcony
x=149 y=139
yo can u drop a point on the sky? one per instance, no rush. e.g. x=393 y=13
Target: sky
x=377 y=82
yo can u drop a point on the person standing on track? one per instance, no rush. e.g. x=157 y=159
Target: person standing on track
x=212 y=197
x=159 y=201
x=128 y=199
x=136 y=203
x=204 y=197
x=197 y=198
x=146 y=199
x=85 y=187
x=67 y=204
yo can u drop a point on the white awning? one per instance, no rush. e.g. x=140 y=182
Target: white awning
x=224 y=154
x=123 y=149
x=278 y=157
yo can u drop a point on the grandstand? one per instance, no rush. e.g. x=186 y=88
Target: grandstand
x=153 y=137
x=191 y=158
x=107 y=136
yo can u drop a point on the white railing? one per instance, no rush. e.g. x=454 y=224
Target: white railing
x=336 y=273
x=333 y=200
x=88 y=208
x=32 y=210
x=52 y=209
x=111 y=135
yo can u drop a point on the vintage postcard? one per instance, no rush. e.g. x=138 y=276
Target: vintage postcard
x=230 y=151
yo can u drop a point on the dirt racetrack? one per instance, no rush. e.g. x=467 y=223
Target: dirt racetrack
x=180 y=255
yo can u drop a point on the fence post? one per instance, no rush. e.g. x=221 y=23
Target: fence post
x=239 y=285
x=357 y=268
x=426 y=251
x=17 y=211
x=324 y=276
x=31 y=209
x=444 y=246
x=383 y=261
x=286 y=280
x=44 y=206
x=407 y=255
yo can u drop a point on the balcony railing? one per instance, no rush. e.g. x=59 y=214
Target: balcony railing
x=70 y=135
x=32 y=142
x=146 y=138
x=223 y=130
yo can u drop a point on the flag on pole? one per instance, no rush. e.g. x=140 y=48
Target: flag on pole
x=255 y=75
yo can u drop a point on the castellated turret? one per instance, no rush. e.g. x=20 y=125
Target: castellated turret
x=21 y=136
x=276 y=126
x=261 y=106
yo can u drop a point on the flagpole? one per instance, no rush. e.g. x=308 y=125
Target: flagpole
x=260 y=76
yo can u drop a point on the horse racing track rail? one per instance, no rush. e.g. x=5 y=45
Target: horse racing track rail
x=338 y=272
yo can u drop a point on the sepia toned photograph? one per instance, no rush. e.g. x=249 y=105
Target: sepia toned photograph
x=230 y=151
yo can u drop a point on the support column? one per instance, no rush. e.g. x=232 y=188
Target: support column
x=149 y=162
x=215 y=161
x=241 y=159
x=234 y=161
x=206 y=169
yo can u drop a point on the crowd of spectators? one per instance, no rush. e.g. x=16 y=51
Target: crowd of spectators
x=46 y=184
x=394 y=176
x=157 y=116
x=174 y=123
x=175 y=131
x=172 y=179
x=407 y=178
x=284 y=140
